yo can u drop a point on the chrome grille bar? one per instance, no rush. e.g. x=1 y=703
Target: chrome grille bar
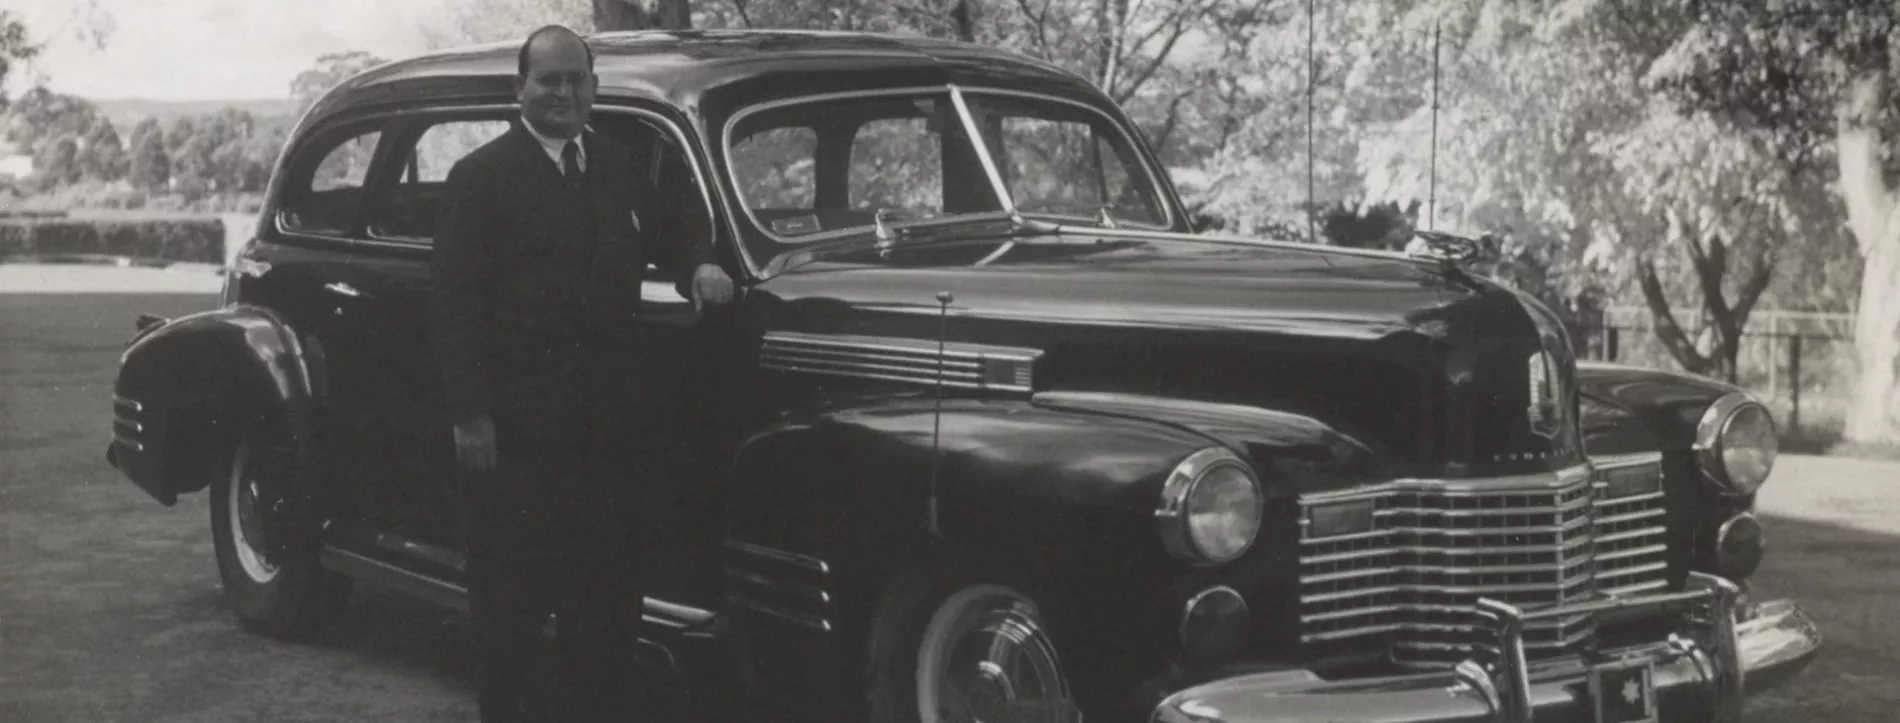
x=1411 y=581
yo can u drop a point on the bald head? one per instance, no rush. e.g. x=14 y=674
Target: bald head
x=555 y=81
x=550 y=34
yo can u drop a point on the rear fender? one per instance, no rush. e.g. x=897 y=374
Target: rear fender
x=187 y=388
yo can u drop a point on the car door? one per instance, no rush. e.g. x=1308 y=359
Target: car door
x=316 y=266
x=408 y=438
x=680 y=356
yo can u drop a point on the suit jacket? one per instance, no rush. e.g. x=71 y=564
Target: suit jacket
x=536 y=280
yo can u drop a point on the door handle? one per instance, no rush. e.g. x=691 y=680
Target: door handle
x=343 y=289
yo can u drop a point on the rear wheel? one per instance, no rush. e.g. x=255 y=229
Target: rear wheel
x=959 y=649
x=283 y=593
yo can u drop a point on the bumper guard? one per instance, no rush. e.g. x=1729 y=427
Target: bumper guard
x=1725 y=649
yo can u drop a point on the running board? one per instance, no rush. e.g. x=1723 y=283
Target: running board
x=361 y=567
x=681 y=620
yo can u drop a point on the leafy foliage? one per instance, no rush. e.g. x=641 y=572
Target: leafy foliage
x=14 y=48
x=331 y=70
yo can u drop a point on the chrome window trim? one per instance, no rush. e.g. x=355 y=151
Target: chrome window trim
x=1155 y=185
x=374 y=239
x=732 y=173
x=983 y=157
x=954 y=91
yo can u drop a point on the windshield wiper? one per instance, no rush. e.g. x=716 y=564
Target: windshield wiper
x=885 y=235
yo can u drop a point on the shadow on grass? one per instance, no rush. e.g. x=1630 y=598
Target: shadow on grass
x=403 y=632
x=1848 y=579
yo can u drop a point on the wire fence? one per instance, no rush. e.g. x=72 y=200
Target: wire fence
x=1797 y=362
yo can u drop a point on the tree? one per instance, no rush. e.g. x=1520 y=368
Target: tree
x=103 y=157
x=146 y=126
x=1815 y=78
x=484 y=21
x=1731 y=215
x=612 y=15
x=41 y=113
x=330 y=71
x=151 y=165
x=57 y=162
x=87 y=21
x=14 y=48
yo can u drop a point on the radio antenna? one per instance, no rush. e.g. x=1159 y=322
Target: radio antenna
x=936 y=431
x=1431 y=218
x=1312 y=75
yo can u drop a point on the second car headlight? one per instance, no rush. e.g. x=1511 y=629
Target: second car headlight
x=1210 y=508
x=1736 y=444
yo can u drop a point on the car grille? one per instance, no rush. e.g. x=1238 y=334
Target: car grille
x=1408 y=577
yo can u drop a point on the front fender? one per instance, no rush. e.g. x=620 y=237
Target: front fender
x=1634 y=409
x=825 y=507
x=188 y=387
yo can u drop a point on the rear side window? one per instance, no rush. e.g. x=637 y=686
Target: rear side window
x=325 y=196
x=409 y=209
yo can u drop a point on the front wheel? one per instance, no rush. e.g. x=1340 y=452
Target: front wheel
x=950 y=649
x=286 y=594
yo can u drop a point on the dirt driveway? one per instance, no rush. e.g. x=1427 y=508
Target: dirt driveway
x=109 y=603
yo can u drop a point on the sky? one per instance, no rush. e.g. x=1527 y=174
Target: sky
x=209 y=49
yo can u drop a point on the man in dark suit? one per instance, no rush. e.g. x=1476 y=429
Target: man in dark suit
x=543 y=238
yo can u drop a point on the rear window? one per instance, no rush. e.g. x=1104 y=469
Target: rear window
x=327 y=196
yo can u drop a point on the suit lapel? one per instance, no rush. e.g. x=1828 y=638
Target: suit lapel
x=534 y=156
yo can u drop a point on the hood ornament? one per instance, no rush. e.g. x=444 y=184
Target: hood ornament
x=1451 y=249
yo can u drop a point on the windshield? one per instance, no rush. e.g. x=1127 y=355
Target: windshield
x=810 y=170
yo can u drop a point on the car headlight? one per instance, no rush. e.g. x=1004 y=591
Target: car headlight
x=1210 y=508
x=1736 y=444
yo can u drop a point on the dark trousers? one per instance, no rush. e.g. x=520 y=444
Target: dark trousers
x=555 y=581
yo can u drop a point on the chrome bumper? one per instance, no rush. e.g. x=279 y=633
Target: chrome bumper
x=1725 y=650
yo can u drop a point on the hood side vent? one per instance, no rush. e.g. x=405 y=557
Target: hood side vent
x=979 y=367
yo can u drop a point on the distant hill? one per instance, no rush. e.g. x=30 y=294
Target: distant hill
x=126 y=111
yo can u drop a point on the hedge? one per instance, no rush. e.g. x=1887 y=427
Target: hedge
x=174 y=239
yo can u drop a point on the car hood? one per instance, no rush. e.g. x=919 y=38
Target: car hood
x=1435 y=372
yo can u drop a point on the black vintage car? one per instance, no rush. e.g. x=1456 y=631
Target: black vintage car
x=990 y=433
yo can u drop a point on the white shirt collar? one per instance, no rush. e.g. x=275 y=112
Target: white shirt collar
x=552 y=146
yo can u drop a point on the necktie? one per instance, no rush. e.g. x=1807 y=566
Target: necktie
x=571 y=161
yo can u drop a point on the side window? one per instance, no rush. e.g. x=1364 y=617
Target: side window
x=776 y=169
x=327 y=200
x=414 y=198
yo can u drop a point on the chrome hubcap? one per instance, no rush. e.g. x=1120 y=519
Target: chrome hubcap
x=246 y=522
x=986 y=659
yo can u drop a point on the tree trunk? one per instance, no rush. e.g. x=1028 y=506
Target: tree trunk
x=963 y=16
x=610 y=15
x=1668 y=330
x=1873 y=211
x=1874 y=413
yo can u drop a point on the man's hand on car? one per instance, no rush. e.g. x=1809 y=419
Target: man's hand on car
x=711 y=285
